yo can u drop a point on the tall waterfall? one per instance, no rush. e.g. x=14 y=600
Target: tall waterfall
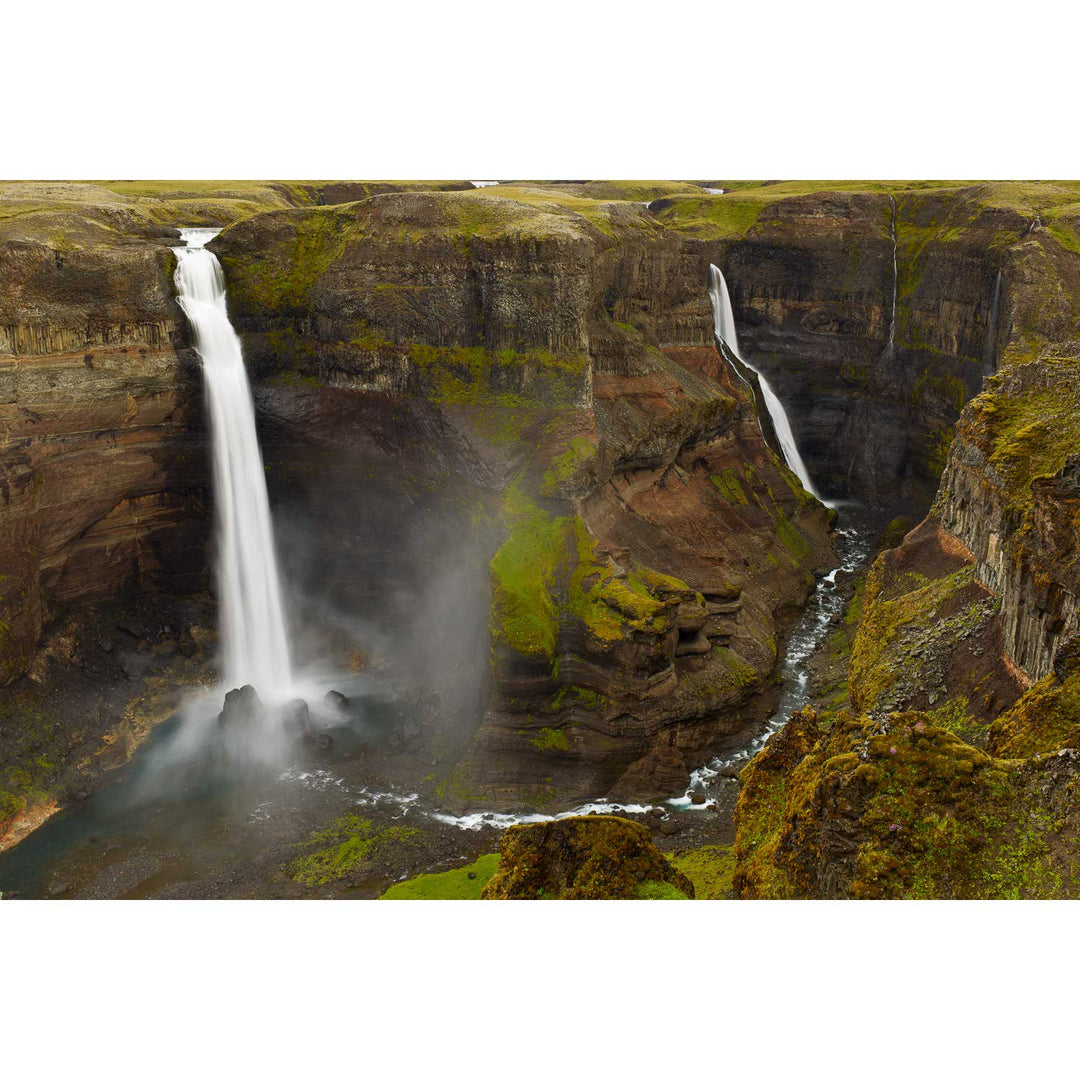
x=724 y=326
x=254 y=644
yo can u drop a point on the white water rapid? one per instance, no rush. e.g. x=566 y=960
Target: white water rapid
x=724 y=326
x=254 y=644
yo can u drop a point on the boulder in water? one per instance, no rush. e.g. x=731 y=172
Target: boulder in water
x=336 y=701
x=242 y=706
x=296 y=716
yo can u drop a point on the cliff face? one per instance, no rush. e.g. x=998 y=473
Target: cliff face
x=101 y=465
x=875 y=314
x=642 y=545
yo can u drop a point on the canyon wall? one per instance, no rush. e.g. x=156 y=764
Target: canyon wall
x=582 y=441
x=496 y=420
x=874 y=315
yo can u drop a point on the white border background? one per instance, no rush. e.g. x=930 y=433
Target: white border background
x=484 y=90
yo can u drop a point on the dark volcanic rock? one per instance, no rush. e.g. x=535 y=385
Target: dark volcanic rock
x=242 y=707
x=296 y=716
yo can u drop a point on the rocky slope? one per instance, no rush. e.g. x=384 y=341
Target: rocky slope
x=972 y=620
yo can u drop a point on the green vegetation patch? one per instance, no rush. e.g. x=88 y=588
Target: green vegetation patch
x=710 y=868
x=30 y=771
x=714 y=217
x=344 y=847
x=1028 y=435
x=551 y=739
x=278 y=282
x=1045 y=719
x=896 y=613
x=518 y=379
x=547 y=571
x=465 y=883
x=658 y=890
x=565 y=465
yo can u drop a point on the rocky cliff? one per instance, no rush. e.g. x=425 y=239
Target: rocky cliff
x=972 y=620
x=582 y=438
x=874 y=309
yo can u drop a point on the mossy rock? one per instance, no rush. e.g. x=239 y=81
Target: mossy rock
x=903 y=809
x=584 y=858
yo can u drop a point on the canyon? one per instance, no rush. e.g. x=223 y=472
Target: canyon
x=516 y=478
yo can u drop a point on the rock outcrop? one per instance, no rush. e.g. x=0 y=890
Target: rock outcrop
x=901 y=808
x=584 y=858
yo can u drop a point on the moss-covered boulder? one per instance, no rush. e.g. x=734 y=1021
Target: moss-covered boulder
x=584 y=858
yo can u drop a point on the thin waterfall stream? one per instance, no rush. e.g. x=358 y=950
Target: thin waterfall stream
x=724 y=326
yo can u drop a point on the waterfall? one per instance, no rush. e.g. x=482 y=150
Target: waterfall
x=254 y=646
x=890 y=346
x=990 y=353
x=724 y=326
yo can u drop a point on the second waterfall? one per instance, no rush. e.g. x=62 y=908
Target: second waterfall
x=724 y=327
x=254 y=644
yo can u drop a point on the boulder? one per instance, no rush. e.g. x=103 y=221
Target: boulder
x=581 y=858
x=242 y=706
x=296 y=717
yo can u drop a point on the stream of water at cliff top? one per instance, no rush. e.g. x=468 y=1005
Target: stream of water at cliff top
x=255 y=647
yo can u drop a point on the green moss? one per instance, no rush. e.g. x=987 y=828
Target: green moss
x=658 y=890
x=465 y=883
x=924 y=815
x=727 y=483
x=1045 y=719
x=566 y=464
x=475 y=376
x=34 y=744
x=710 y=869
x=892 y=605
x=343 y=849
x=279 y=281
x=551 y=739
x=714 y=217
x=1027 y=435
x=524 y=577
x=547 y=571
x=598 y=857
x=294 y=380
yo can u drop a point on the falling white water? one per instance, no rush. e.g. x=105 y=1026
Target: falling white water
x=724 y=326
x=254 y=644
